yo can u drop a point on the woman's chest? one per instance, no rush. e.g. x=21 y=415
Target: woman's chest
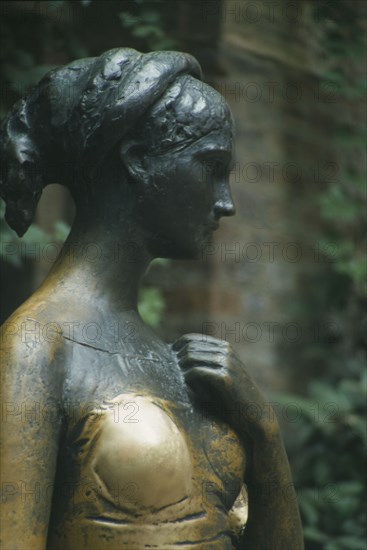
x=144 y=469
x=136 y=432
x=155 y=446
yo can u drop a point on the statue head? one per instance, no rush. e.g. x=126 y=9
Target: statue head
x=140 y=134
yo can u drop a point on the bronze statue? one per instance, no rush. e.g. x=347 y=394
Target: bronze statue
x=111 y=437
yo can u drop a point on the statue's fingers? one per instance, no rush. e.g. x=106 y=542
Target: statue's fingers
x=199 y=339
x=197 y=347
x=188 y=357
x=205 y=376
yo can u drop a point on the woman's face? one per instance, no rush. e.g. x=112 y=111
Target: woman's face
x=184 y=195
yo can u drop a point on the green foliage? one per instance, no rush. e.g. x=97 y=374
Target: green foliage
x=15 y=250
x=329 y=433
x=151 y=302
x=327 y=443
x=23 y=73
x=342 y=207
x=149 y=25
x=151 y=305
x=24 y=38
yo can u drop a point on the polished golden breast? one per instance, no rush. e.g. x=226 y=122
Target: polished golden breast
x=141 y=453
x=148 y=482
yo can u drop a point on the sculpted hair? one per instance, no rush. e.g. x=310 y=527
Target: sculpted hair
x=62 y=131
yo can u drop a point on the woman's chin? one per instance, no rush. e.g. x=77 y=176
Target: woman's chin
x=180 y=251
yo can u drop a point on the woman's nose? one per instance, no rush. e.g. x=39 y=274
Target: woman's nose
x=224 y=205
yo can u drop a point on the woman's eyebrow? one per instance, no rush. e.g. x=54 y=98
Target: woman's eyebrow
x=216 y=152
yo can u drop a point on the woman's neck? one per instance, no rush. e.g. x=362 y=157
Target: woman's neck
x=102 y=265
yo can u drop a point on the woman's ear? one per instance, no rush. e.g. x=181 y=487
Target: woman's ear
x=133 y=159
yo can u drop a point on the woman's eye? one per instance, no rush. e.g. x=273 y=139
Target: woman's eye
x=212 y=168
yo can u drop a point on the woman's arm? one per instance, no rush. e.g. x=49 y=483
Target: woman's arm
x=30 y=427
x=213 y=370
x=273 y=522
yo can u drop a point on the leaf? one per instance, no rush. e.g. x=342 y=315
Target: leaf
x=152 y=17
x=308 y=507
x=145 y=31
x=350 y=543
x=314 y=534
x=151 y=306
x=21 y=80
x=128 y=20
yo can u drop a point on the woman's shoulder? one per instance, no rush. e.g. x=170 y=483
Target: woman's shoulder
x=42 y=323
x=31 y=348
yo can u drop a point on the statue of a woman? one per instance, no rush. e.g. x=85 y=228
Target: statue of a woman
x=111 y=437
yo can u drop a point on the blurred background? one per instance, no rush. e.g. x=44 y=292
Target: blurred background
x=284 y=281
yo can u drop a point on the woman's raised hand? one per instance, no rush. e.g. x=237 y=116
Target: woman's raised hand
x=218 y=377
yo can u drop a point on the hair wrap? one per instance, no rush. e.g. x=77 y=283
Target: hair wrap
x=74 y=117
